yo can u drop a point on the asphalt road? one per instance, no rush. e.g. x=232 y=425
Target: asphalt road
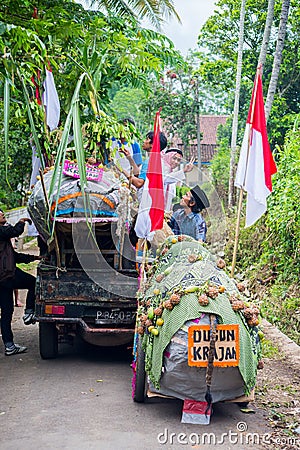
x=82 y=400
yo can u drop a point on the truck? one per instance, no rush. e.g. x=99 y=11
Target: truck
x=87 y=282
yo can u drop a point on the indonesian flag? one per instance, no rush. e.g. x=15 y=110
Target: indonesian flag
x=256 y=165
x=51 y=101
x=151 y=210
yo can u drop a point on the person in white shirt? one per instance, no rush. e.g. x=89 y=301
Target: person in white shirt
x=172 y=174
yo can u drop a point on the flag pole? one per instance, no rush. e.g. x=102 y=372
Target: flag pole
x=237 y=229
x=237 y=232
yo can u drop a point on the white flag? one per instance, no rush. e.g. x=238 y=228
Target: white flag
x=51 y=101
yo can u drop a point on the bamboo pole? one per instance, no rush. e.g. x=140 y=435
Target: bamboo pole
x=237 y=232
x=237 y=229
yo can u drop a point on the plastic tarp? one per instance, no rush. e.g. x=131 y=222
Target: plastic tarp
x=102 y=199
x=183 y=381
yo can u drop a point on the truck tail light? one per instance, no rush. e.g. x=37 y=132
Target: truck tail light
x=54 y=309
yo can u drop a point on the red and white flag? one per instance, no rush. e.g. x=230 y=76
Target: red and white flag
x=256 y=164
x=151 y=210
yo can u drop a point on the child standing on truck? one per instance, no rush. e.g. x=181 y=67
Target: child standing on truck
x=188 y=220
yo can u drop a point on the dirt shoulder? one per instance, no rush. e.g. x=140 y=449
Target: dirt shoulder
x=278 y=390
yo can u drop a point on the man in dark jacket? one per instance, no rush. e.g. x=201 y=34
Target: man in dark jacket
x=11 y=277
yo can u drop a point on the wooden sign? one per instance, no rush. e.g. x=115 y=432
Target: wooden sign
x=227 y=347
x=93 y=173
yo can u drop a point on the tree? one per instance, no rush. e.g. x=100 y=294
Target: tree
x=74 y=41
x=277 y=56
x=175 y=93
x=236 y=105
x=221 y=58
x=153 y=10
x=128 y=102
x=267 y=32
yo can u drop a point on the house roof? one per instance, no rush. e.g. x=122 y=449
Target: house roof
x=209 y=126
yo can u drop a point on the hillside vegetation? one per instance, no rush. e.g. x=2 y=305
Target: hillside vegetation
x=269 y=251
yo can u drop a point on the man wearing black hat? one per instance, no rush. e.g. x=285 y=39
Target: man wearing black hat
x=188 y=220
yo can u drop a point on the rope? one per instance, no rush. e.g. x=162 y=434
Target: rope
x=210 y=365
x=57 y=269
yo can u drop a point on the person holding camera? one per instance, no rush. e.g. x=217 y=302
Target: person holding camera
x=11 y=278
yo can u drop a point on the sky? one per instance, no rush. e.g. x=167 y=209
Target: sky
x=193 y=14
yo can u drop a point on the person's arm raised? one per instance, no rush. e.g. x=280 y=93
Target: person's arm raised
x=135 y=168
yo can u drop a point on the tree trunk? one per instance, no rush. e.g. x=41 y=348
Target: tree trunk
x=267 y=32
x=277 y=56
x=236 y=106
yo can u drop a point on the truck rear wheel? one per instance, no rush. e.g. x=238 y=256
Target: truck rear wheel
x=140 y=375
x=48 y=339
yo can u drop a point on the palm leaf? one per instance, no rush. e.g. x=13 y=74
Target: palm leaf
x=153 y=10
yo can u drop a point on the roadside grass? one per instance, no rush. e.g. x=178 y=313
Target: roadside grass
x=269 y=350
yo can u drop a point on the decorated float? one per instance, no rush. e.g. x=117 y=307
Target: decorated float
x=197 y=335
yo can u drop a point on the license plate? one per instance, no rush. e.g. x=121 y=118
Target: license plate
x=227 y=347
x=115 y=316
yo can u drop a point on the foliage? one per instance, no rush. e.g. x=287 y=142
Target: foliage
x=177 y=93
x=282 y=308
x=217 y=66
x=180 y=192
x=153 y=10
x=269 y=251
x=220 y=170
x=283 y=240
x=268 y=349
x=127 y=102
x=74 y=41
x=219 y=167
x=19 y=150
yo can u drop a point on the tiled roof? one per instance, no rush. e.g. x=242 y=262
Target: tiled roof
x=208 y=128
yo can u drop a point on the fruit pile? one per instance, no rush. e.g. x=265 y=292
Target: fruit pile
x=153 y=302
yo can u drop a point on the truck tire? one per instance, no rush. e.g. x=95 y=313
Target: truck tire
x=140 y=375
x=48 y=340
